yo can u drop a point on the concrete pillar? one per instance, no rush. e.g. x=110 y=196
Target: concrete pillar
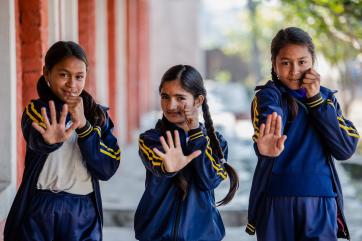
x=101 y=50
x=8 y=106
x=87 y=39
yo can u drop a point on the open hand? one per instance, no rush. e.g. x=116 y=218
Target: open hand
x=270 y=142
x=55 y=132
x=174 y=158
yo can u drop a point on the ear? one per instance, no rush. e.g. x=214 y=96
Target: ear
x=46 y=73
x=199 y=100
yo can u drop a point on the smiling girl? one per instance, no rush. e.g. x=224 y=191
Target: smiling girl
x=185 y=161
x=69 y=147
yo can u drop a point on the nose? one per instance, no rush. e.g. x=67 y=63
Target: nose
x=295 y=70
x=71 y=83
x=172 y=105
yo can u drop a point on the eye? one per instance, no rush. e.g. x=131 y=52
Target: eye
x=285 y=63
x=302 y=62
x=64 y=75
x=80 y=77
x=180 y=98
x=164 y=97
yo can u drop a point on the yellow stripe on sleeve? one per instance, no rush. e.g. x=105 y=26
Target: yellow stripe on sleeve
x=34 y=119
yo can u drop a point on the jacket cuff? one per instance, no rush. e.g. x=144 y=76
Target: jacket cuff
x=84 y=131
x=195 y=133
x=315 y=101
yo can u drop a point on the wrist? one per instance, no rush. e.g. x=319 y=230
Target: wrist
x=314 y=101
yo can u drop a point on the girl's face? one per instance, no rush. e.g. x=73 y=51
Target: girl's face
x=66 y=78
x=173 y=101
x=290 y=64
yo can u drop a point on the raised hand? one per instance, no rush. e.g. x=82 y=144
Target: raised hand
x=192 y=116
x=174 y=158
x=311 y=82
x=270 y=141
x=76 y=109
x=55 y=132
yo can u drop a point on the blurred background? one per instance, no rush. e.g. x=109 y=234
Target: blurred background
x=131 y=43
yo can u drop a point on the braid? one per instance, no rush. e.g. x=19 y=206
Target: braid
x=215 y=145
x=214 y=141
x=292 y=104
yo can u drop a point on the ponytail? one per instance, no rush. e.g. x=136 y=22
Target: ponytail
x=92 y=111
x=215 y=144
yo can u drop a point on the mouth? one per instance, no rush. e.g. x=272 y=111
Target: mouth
x=69 y=93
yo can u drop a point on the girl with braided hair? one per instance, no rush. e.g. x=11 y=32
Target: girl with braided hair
x=296 y=194
x=185 y=161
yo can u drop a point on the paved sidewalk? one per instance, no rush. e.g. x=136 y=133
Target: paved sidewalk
x=123 y=191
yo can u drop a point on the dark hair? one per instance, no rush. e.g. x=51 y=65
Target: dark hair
x=291 y=35
x=191 y=80
x=56 y=53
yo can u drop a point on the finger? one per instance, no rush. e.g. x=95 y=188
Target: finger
x=192 y=156
x=278 y=126
x=273 y=122
x=280 y=142
x=261 y=131
x=177 y=139
x=53 y=115
x=45 y=116
x=38 y=128
x=164 y=144
x=70 y=130
x=169 y=139
x=267 y=124
x=159 y=153
x=63 y=114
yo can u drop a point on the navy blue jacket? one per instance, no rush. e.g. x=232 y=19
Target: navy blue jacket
x=318 y=134
x=99 y=149
x=161 y=213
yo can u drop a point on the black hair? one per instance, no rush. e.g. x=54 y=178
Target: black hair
x=192 y=81
x=56 y=53
x=291 y=35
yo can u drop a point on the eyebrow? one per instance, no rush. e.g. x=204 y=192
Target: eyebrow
x=65 y=70
x=177 y=95
x=304 y=57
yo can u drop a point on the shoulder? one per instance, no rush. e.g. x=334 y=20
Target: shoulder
x=327 y=93
x=269 y=90
x=33 y=110
x=151 y=134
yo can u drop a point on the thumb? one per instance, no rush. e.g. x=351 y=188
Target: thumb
x=280 y=143
x=193 y=155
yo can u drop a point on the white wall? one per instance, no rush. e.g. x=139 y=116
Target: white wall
x=7 y=106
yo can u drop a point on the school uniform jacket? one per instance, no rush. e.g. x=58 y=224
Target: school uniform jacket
x=331 y=134
x=161 y=213
x=99 y=150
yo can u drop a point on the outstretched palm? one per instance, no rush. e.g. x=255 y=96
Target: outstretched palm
x=55 y=132
x=174 y=158
x=270 y=141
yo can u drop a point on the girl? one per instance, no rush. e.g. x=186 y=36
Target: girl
x=296 y=194
x=182 y=171
x=69 y=147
